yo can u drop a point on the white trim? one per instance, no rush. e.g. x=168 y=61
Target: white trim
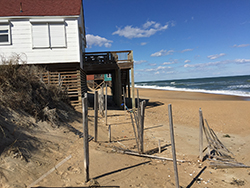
x=4 y=21
x=38 y=17
x=47 y=20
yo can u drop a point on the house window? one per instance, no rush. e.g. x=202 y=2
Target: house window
x=48 y=35
x=4 y=33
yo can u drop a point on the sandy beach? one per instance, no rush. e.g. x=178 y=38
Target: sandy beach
x=226 y=115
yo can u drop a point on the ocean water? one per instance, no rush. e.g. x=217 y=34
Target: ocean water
x=233 y=85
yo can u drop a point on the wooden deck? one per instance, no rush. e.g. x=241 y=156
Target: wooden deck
x=117 y=63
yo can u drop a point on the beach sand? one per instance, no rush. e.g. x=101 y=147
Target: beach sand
x=226 y=115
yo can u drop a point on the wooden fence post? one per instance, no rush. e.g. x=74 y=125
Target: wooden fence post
x=101 y=101
x=138 y=100
x=143 y=104
x=137 y=144
x=106 y=105
x=85 y=136
x=109 y=134
x=96 y=114
x=201 y=134
x=171 y=127
x=138 y=110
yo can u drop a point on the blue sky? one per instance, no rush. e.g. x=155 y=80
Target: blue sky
x=173 y=39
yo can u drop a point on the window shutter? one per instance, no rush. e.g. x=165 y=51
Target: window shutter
x=40 y=35
x=57 y=35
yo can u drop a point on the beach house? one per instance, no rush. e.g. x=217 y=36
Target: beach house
x=49 y=33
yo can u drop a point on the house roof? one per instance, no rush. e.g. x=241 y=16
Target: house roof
x=40 y=7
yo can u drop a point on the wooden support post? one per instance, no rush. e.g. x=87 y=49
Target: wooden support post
x=109 y=134
x=101 y=101
x=201 y=134
x=133 y=87
x=171 y=127
x=138 y=109
x=128 y=82
x=106 y=104
x=124 y=99
x=96 y=114
x=142 y=125
x=138 y=100
x=86 y=136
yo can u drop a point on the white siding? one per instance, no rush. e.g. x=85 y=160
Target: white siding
x=21 y=35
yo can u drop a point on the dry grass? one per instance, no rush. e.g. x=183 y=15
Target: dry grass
x=22 y=92
x=21 y=88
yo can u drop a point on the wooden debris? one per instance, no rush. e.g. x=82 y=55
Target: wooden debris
x=221 y=164
x=217 y=152
x=148 y=156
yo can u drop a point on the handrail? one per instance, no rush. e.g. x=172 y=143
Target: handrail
x=109 y=56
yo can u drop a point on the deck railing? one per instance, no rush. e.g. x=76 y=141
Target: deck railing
x=108 y=57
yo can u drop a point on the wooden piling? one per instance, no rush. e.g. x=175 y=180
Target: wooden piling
x=143 y=104
x=201 y=134
x=138 y=100
x=133 y=87
x=109 y=134
x=171 y=127
x=106 y=105
x=96 y=114
x=86 y=135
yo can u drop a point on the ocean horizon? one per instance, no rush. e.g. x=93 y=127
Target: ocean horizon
x=229 y=85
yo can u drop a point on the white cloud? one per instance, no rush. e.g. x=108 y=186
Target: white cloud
x=157 y=69
x=167 y=63
x=143 y=43
x=157 y=72
x=140 y=62
x=240 y=45
x=217 y=63
x=170 y=62
x=242 y=60
x=147 y=29
x=187 y=61
x=170 y=72
x=216 y=56
x=93 y=40
x=202 y=65
x=187 y=50
x=152 y=64
x=148 y=24
x=162 y=53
